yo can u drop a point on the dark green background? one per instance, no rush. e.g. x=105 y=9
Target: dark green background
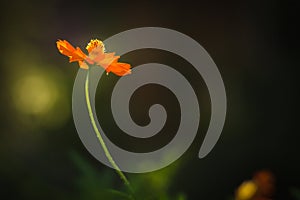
x=253 y=43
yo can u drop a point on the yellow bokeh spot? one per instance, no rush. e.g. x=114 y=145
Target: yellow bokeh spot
x=35 y=94
x=246 y=191
x=39 y=97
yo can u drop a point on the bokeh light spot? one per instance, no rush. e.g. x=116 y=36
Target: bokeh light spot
x=40 y=97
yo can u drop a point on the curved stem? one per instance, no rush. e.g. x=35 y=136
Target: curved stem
x=99 y=136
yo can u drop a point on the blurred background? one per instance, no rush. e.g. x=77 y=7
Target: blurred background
x=253 y=44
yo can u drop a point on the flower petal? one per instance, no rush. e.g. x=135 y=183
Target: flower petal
x=120 y=69
x=83 y=65
x=67 y=49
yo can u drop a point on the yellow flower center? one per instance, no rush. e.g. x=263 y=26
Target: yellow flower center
x=94 y=44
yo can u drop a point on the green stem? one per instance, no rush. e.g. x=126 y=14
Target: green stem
x=99 y=136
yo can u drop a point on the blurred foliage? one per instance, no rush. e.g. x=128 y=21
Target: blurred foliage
x=295 y=192
x=96 y=184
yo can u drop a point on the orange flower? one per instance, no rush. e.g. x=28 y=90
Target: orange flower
x=96 y=56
